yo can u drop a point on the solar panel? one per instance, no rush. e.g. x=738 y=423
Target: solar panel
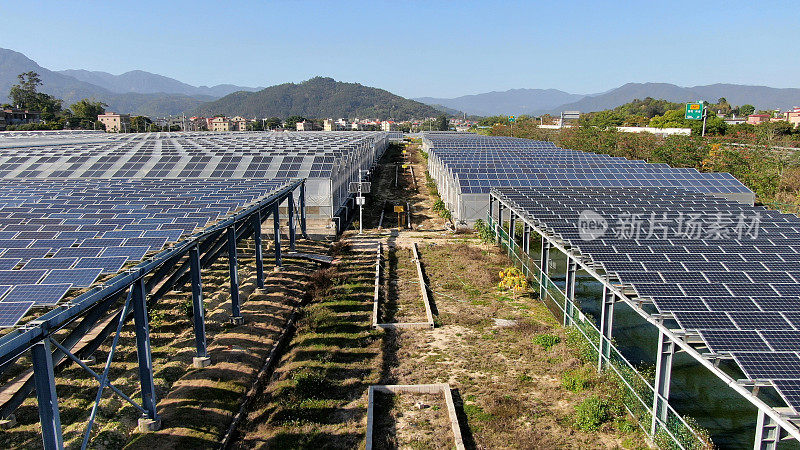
x=774 y=366
x=50 y=263
x=109 y=264
x=734 y=340
x=132 y=253
x=78 y=252
x=9 y=263
x=39 y=294
x=78 y=278
x=14 y=277
x=12 y=312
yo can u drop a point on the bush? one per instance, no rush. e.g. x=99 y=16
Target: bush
x=484 y=232
x=311 y=383
x=576 y=380
x=546 y=341
x=591 y=413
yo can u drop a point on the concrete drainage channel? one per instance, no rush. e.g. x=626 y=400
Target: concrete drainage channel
x=443 y=389
x=428 y=324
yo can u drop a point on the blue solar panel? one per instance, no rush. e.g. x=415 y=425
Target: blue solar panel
x=14 y=277
x=40 y=294
x=78 y=278
x=3 y=290
x=26 y=253
x=9 y=263
x=50 y=263
x=109 y=264
x=132 y=253
x=12 y=312
x=78 y=252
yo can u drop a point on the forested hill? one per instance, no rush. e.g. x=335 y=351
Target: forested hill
x=318 y=97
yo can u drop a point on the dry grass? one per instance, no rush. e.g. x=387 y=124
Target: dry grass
x=413 y=421
x=317 y=396
x=509 y=386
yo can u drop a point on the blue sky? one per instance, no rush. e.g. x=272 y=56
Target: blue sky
x=418 y=48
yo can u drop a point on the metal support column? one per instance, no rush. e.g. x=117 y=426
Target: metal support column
x=499 y=223
x=303 y=209
x=768 y=433
x=290 y=215
x=491 y=207
x=545 y=258
x=256 y=224
x=46 y=396
x=198 y=311
x=666 y=348
x=526 y=238
x=512 y=229
x=139 y=300
x=606 y=327
x=233 y=267
x=569 y=290
x=277 y=230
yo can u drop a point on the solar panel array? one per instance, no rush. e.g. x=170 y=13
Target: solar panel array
x=57 y=235
x=728 y=271
x=474 y=164
x=187 y=155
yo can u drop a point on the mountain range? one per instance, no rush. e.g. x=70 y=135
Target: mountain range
x=552 y=101
x=144 y=93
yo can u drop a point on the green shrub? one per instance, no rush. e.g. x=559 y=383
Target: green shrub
x=546 y=341
x=576 y=380
x=311 y=383
x=591 y=413
x=484 y=232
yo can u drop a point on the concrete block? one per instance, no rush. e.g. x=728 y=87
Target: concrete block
x=199 y=362
x=237 y=320
x=147 y=425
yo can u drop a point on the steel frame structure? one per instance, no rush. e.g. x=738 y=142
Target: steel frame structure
x=141 y=287
x=773 y=423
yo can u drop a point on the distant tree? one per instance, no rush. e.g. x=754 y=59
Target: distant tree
x=272 y=123
x=291 y=122
x=746 y=110
x=140 y=124
x=25 y=95
x=88 y=109
x=442 y=123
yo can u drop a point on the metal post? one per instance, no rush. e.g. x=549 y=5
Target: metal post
x=569 y=290
x=139 y=299
x=233 y=268
x=545 y=258
x=666 y=348
x=491 y=207
x=606 y=327
x=303 y=209
x=768 y=433
x=198 y=311
x=256 y=224
x=277 y=229
x=290 y=214
x=499 y=224
x=526 y=238
x=511 y=228
x=46 y=396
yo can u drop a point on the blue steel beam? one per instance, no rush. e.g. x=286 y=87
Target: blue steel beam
x=142 y=328
x=290 y=214
x=303 y=209
x=233 y=268
x=46 y=395
x=198 y=311
x=277 y=229
x=256 y=225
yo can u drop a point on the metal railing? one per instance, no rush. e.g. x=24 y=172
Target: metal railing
x=636 y=390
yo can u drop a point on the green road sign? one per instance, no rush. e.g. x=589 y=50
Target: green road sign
x=511 y=118
x=694 y=111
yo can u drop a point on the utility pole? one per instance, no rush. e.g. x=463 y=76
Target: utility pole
x=705 y=114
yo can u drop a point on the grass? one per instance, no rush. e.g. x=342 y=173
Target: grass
x=317 y=396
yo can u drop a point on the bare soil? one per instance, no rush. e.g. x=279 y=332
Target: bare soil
x=411 y=421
